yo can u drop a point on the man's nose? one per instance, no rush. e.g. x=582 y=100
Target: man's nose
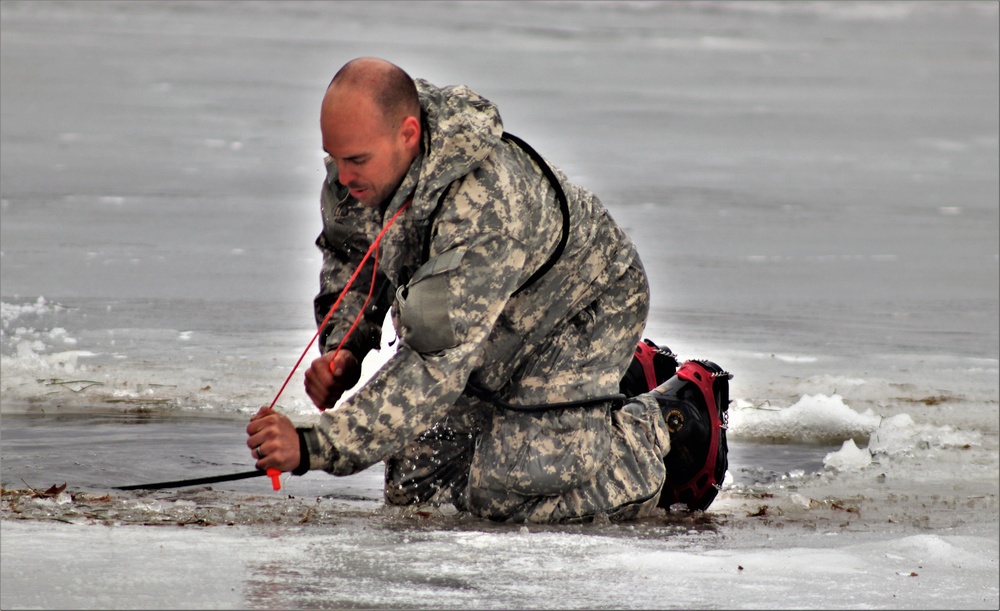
x=344 y=176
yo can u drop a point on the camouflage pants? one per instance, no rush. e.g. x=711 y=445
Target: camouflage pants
x=554 y=466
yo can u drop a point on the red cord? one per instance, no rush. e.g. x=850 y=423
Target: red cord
x=357 y=319
x=275 y=474
x=336 y=304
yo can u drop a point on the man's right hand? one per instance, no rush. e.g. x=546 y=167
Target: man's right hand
x=326 y=384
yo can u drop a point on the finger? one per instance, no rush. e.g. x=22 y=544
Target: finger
x=321 y=368
x=343 y=363
x=256 y=440
x=263 y=411
x=264 y=450
x=265 y=462
x=337 y=366
x=320 y=384
x=278 y=447
x=261 y=430
x=347 y=370
x=257 y=424
x=319 y=393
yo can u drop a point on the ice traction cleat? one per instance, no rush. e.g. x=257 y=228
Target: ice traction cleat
x=695 y=404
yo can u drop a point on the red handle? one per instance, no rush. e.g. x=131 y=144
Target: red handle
x=275 y=476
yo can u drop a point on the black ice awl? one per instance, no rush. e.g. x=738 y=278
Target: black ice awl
x=195 y=482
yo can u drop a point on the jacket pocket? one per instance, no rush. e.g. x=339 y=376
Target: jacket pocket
x=424 y=305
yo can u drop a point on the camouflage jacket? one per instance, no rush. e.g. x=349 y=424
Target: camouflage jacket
x=482 y=220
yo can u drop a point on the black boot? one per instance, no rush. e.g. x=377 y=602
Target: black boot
x=651 y=366
x=695 y=405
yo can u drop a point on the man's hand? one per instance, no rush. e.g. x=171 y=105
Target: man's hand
x=273 y=440
x=325 y=384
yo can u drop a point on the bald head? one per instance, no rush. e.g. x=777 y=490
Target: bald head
x=389 y=88
x=371 y=127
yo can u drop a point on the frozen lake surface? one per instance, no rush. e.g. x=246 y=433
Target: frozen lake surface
x=813 y=189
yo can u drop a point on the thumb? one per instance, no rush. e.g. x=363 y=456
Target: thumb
x=338 y=360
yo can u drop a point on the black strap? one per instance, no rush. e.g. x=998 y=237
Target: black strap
x=616 y=401
x=563 y=206
x=427 y=223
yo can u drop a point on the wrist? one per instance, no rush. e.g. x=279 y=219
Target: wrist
x=303 y=454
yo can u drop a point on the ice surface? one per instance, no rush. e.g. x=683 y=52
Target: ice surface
x=409 y=562
x=812 y=188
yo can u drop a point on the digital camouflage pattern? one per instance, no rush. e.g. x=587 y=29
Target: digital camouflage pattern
x=483 y=218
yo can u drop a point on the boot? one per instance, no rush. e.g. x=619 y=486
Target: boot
x=650 y=367
x=695 y=405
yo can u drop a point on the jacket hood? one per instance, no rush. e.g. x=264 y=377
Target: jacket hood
x=462 y=128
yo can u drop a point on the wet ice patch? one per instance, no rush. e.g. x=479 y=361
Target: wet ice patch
x=900 y=435
x=830 y=384
x=792 y=358
x=937 y=551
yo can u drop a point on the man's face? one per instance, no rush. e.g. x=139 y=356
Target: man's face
x=371 y=156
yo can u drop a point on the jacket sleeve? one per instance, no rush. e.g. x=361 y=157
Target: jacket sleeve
x=480 y=257
x=349 y=229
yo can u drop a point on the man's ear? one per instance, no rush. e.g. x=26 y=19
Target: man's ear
x=409 y=131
